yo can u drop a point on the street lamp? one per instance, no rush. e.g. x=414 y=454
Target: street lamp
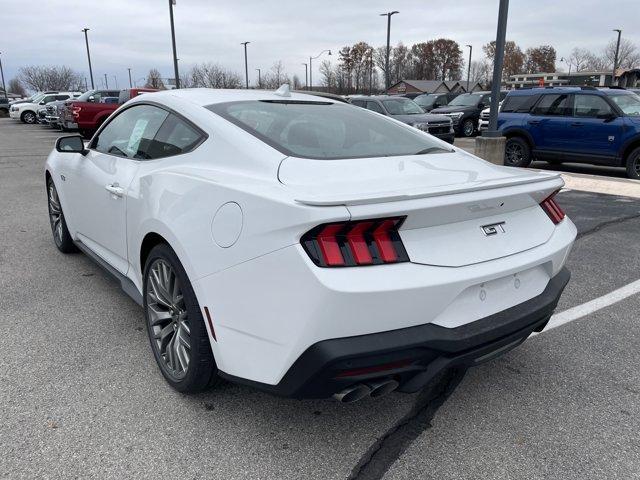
x=130 y=82
x=246 y=68
x=469 y=67
x=259 y=79
x=106 y=84
x=615 y=60
x=306 y=76
x=115 y=80
x=86 y=39
x=568 y=62
x=4 y=86
x=501 y=34
x=311 y=59
x=173 y=43
x=386 y=62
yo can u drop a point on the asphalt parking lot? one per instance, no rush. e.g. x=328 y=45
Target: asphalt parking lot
x=81 y=397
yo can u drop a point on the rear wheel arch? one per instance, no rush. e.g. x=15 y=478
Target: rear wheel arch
x=522 y=134
x=627 y=149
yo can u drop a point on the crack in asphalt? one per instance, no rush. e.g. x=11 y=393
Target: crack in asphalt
x=608 y=223
x=384 y=452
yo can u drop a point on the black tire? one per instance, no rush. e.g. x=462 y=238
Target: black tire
x=61 y=235
x=468 y=128
x=517 y=152
x=554 y=162
x=28 y=117
x=201 y=372
x=633 y=164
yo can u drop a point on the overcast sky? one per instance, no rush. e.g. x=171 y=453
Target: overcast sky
x=136 y=34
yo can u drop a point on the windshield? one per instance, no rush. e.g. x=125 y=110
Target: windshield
x=402 y=106
x=466 y=100
x=326 y=131
x=425 y=100
x=628 y=103
x=37 y=98
x=85 y=96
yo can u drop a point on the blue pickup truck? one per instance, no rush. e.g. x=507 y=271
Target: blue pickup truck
x=572 y=124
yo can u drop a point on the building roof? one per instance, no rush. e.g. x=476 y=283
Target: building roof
x=428 y=86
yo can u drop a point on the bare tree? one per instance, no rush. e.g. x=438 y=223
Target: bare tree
x=297 y=84
x=154 y=80
x=628 y=56
x=212 y=75
x=579 y=58
x=481 y=71
x=328 y=75
x=16 y=87
x=57 y=77
x=276 y=77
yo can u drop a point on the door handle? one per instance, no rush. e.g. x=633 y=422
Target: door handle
x=115 y=189
x=577 y=124
x=533 y=122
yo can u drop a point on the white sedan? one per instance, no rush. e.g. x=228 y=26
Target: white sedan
x=305 y=246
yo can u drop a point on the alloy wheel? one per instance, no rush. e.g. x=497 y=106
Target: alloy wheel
x=29 y=117
x=168 y=320
x=55 y=214
x=468 y=128
x=514 y=154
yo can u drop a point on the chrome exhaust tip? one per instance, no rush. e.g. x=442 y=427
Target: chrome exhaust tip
x=353 y=393
x=382 y=387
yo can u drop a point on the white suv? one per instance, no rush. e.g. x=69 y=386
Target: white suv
x=27 y=112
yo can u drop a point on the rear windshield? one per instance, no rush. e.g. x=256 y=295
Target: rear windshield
x=326 y=131
x=466 y=100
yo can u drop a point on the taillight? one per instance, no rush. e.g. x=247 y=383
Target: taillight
x=552 y=209
x=76 y=111
x=356 y=243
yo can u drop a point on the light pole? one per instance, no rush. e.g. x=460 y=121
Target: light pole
x=501 y=33
x=259 y=78
x=306 y=76
x=246 y=68
x=469 y=67
x=386 y=62
x=311 y=59
x=568 y=62
x=615 y=60
x=115 y=80
x=106 y=84
x=130 y=82
x=86 y=40
x=4 y=86
x=173 y=43
x=370 y=72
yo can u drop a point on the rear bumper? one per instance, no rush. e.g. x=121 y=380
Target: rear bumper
x=69 y=125
x=415 y=355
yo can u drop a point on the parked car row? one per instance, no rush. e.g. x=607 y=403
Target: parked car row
x=68 y=111
x=409 y=112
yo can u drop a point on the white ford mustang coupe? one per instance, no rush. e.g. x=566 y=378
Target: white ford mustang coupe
x=307 y=247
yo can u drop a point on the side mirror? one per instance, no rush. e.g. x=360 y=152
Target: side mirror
x=71 y=144
x=482 y=106
x=41 y=102
x=436 y=105
x=609 y=117
x=91 y=99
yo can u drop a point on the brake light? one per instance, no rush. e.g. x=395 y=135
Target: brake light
x=552 y=209
x=76 y=111
x=356 y=243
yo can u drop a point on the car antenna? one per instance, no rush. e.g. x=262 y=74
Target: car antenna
x=283 y=91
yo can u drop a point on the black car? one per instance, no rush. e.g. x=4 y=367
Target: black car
x=429 y=101
x=465 y=109
x=4 y=107
x=409 y=112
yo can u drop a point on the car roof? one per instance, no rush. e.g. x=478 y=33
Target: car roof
x=572 y=89
x=209 y=96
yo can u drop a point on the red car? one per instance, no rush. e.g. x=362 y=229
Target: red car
x=87 y=112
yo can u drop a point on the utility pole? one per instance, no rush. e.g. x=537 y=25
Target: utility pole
x=106 y=84
x=115 y=80
x=173 y=43
x=259 y=79
x=86 y=39
x=246 y=67
x=615 y=60
x=469 y=67
x=386 y=62
x=306 y=76
x=4 y=85
x=130 y=82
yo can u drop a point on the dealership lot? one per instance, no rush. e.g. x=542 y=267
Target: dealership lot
x=80 y=396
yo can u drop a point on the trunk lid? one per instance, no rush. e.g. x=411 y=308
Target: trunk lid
x=460 y=210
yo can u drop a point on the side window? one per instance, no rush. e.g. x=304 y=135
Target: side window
x=358 y=103
x=518 y=103
x=48 y=98
x=375 y=107
x=62 y=97
x=112 y=93
x=552 y=105
x=131 y=132
x=174 y=137
x=591 y=106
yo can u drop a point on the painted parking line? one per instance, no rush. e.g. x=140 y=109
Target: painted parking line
x=592 y=306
